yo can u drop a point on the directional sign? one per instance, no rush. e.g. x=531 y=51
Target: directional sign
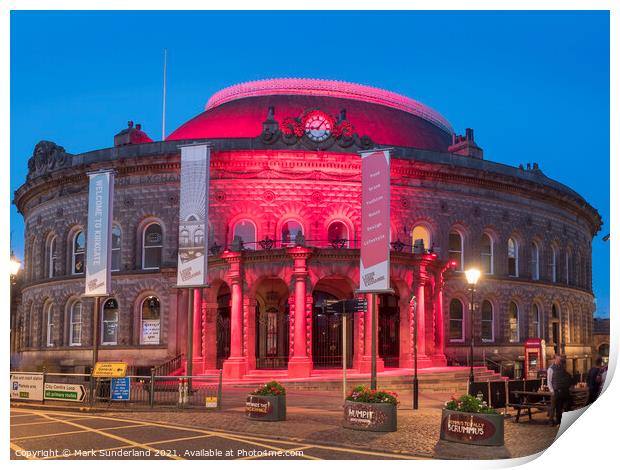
x=27 y=386
x=345 y=306
x=64 y=392
x=120 y=388
x=110 y=369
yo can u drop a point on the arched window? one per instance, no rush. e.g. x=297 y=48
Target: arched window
x=567 y=259
x=486 y=253
x=513 y=322
x=513 y=258
x=338 y=233
x=51 y=257
x=567 y=334
x=553 y=265
x=116 y=248
x=455 y=249
x=487 y=332
x=75 y=324
x=456 y=320
x=534 y=254
x=199 y=237
x=151 y=321
x=420 y=232
x=152 y=244
x=78 y=253
x=49 y=320
x=290 y=230
x=536 y=326
x=246 y=230
x=184 y=238
x=109 y=326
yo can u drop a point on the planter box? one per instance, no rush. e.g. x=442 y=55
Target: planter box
x=369 y=416
x=266 y=407
x=480 y=429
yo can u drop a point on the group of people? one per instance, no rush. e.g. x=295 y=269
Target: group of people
x=559 y=381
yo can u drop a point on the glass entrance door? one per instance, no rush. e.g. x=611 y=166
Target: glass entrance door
x=327 y=335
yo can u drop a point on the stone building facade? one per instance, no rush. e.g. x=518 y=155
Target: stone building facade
x=284 y=225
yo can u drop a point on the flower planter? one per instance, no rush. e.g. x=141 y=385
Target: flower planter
x=482 y=429
x=266 y=407
x=362 y=416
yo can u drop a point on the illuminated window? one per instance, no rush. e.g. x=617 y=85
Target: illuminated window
x=337 y=231
x=420 y=232
x=487 y=332
x=486 y=253
x=513 y=258
x=75 y=324
x=456 y=320
x=513 y=322
x=116 y=248
x=534 y=254
x=291 y=229
x=246 y=230
x=151 y=321
x=455 y=249
x=110 y=322
x=152 y=244
x=78 y=253
x=51 y=257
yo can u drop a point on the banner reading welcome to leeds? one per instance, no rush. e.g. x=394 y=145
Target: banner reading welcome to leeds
x=193 y=211
x=99 y=233
x=375 y=249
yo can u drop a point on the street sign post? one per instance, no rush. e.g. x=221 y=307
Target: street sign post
x=64 y=392
x=120 y=389
x=27 y=386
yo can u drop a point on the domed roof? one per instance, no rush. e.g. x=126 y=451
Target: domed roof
x=385 y=117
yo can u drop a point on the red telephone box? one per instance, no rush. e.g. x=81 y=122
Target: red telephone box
x=534 y=357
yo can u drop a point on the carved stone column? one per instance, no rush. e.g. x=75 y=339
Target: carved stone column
x=300 y=363
x=235 y=367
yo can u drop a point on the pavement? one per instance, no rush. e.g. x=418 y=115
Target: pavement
x=313 y=430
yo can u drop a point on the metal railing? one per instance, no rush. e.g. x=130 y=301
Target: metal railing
x=170 y=365
x=137 y=391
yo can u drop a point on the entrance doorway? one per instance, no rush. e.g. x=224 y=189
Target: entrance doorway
x=389 y=329
x=272 y=325
x=327 y=334
x=222 y=326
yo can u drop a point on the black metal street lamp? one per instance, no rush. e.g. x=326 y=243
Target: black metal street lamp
x=414 y=304
x=472 y=276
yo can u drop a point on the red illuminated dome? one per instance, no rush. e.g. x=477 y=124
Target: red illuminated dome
x=385 y=117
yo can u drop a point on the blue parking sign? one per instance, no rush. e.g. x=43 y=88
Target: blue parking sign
x=119 y=389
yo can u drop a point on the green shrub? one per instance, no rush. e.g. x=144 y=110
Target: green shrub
x=469 y=404
x=270 y=388
x=364 y=394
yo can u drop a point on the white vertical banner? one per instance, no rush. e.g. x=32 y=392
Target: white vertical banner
x=99 y=233
x=375 y=248
x=193 y=213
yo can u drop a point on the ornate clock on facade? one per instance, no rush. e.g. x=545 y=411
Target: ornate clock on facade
x=318 y=126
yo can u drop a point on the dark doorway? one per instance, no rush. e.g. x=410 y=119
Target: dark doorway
x=555 y=331
x=223 y=326
x=389 y=330
x=272 y=325
x=327 y=334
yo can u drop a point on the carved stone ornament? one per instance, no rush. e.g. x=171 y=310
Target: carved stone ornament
x=46 y=157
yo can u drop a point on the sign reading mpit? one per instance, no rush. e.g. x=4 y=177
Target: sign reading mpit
x=27 y=387
x=472 y=428
x=110 y=369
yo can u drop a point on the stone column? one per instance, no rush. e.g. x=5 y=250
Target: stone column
x=209 y=335
x=300 y=364
x=366 y=360
x=235 y=367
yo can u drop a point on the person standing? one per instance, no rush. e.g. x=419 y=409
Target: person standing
x=561 y=383
x=595 y=380
x=554 y=364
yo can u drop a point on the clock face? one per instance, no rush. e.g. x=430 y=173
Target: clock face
x=318 y=126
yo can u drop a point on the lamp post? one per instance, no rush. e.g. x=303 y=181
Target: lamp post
x=414 y=304
x=14 y=267
x=472 y=276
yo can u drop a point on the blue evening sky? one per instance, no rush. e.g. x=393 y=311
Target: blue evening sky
x=533 y=85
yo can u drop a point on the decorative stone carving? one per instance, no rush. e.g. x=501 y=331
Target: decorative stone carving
x=46 y=157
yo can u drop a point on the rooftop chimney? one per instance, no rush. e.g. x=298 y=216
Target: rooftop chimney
x=465 y=145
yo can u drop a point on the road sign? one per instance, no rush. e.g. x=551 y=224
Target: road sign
x=211 y=402
x=345 y=306
x=64 y=392
x=27 y=387
x=120 y=388
x=110 y=369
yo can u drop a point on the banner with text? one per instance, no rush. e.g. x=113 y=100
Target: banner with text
x=375 y=248
x=193 y=212
x=99 y=233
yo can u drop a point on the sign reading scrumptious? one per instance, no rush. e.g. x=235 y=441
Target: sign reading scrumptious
x=471 y=428
x=99 y=233
x=193 y=212
x=375 y=249
x=257 y=407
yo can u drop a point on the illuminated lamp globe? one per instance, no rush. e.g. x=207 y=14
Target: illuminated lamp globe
x=472 y=276
x=15 y=265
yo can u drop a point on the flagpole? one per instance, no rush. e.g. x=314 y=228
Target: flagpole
x=163 y=113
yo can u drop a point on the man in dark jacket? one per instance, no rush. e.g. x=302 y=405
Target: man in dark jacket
x=561 y=383
x=594 y=380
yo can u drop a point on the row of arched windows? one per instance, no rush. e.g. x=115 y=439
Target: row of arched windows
x=150 y=323
x=456 y=330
